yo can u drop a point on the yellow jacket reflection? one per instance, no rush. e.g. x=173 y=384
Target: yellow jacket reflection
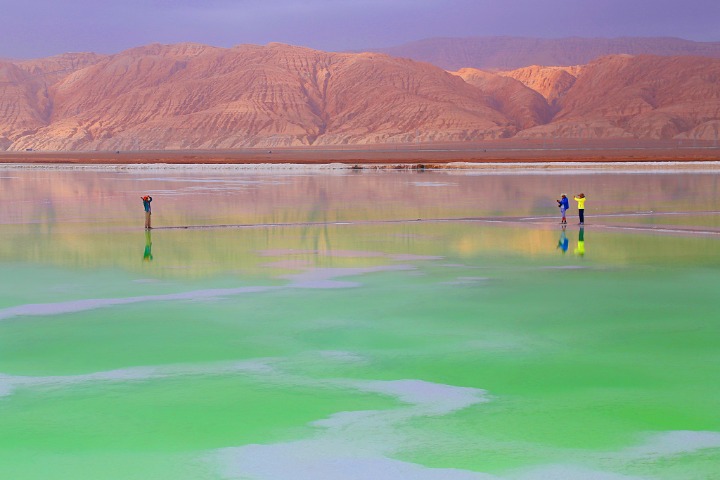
x=580 y=250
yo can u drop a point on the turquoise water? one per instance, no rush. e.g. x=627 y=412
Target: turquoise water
x=372 y=325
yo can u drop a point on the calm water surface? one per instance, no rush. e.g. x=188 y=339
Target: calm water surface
x=372 y=325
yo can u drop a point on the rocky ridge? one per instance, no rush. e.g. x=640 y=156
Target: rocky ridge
x=644 y=96
x=190 y=96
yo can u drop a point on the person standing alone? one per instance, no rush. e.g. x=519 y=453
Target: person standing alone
x=580 y=199
x=148 y=211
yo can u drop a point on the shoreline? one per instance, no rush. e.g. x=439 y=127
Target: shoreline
x=538 y=167
x=433 y=156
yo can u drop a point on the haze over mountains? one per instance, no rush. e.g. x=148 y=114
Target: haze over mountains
x=508 y=53
x=190 y=96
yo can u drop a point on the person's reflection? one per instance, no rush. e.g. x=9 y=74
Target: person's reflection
x=563 y=241
x=580 y=250
x=147 y=256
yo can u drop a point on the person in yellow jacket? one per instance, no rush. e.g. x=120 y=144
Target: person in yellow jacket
x=580 y=199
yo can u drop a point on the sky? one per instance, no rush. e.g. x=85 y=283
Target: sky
x=41 y=28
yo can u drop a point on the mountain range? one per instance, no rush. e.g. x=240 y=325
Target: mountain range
x=191 y=96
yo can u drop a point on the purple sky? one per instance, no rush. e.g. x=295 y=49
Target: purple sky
x=39 y=28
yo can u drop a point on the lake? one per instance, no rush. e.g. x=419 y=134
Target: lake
x=327 y=323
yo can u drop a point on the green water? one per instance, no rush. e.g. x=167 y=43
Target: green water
x=454 y=347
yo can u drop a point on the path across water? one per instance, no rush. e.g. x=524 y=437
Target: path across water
x=598 y=221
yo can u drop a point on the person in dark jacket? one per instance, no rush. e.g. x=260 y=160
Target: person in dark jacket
x=148 y=211
x=564 y=204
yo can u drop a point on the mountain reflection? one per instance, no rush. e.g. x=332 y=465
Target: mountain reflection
x=94 y=216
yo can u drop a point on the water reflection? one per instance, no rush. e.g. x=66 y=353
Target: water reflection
x=375 y=212
x=563 y=242
x=580 y=250
x=447 y=292
x=147 y=254
x=318 y=213
x=212 y=198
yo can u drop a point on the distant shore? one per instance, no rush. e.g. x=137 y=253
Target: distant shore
x=422 y=156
